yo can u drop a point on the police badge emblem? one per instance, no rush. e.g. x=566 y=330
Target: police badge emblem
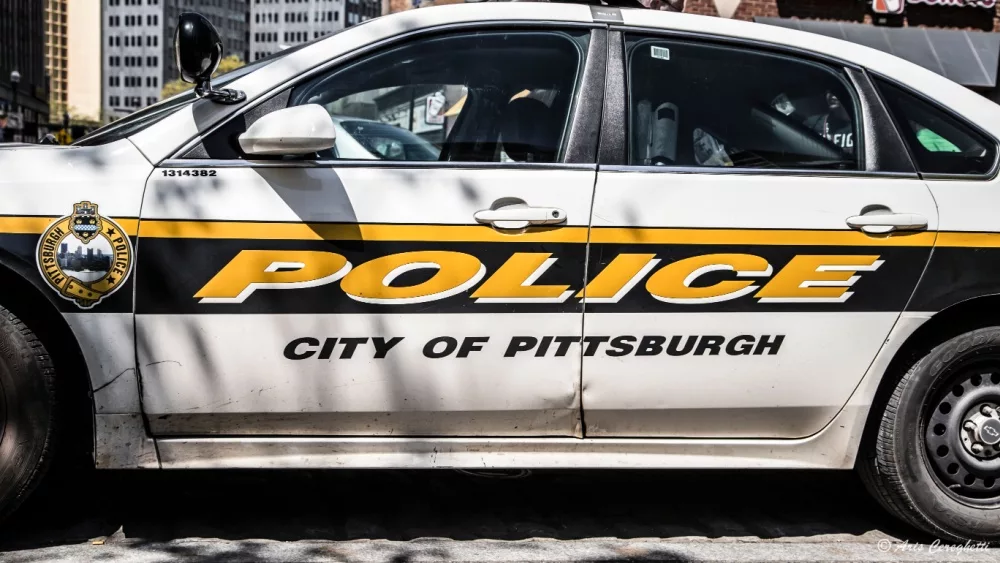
x=83 y=256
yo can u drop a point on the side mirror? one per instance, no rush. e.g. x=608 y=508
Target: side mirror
x=197 y=52
x=291 y=131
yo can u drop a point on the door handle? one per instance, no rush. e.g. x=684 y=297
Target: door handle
x=519 y=216
x=882 y=222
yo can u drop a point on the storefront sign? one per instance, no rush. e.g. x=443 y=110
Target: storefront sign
x=14 y=121
x=897 y=6
x=888 y=6
x=434 y=112
x=957 y=3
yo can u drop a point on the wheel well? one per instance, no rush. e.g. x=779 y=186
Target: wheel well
x=74 y=398
x=974 y=313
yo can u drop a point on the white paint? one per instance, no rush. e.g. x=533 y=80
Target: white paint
x=107 y=341
x=47 y=181
x=790 y=394
x=296 y=130
x=748 y=201
x=835 y=446
x=365 y=194
x=205 y=364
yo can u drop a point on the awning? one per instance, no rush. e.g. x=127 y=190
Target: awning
x=967 y=57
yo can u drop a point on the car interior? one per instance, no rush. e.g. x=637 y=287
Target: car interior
x=519 y=88
x=702 y=105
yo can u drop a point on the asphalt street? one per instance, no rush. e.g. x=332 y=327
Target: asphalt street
x=403 y=516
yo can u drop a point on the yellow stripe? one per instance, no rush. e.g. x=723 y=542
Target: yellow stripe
x=37 y=225
x=482 y=233
x=975 y=240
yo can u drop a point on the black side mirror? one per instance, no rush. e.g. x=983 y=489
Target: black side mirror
x=197 y=52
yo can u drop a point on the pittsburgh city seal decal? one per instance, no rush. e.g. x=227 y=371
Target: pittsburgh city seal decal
x=84 y=257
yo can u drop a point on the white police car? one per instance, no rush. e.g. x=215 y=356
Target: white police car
x=605 y=238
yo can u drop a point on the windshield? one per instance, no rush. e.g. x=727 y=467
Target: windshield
x=135 y=122
x=388 y=142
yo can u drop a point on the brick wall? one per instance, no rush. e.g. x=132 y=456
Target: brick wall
x=920 y=15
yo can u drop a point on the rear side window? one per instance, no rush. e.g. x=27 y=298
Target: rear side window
x=939 y=142
x=704 y=105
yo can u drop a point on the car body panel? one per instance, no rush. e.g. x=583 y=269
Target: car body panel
x=211 y=358
x=42 y=183
x=777 y=414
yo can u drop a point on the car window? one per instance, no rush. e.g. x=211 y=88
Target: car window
x=939 y=142
x=468 y=97
x=703 y=105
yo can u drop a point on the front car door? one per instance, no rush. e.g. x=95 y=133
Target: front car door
x=751 y=248
x=385 y=287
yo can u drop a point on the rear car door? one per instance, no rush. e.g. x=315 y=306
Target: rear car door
x=753 y=241
x=392 y=285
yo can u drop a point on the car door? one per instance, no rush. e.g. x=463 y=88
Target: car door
x=752 y=244
x=401 y=283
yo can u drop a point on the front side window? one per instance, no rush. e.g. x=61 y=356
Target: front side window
x=472 y=97
x=940 y=143
x=704 y=105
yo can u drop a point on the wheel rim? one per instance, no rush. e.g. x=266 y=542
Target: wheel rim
x=962 y=431
x=3 y=412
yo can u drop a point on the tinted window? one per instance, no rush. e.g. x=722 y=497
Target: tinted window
x=939 y=142
x=487 y=97
x=700 y=105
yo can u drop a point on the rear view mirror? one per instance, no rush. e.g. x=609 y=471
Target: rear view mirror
x=197 y=52
x=291 y=131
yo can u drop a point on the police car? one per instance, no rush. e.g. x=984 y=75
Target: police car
x=636 y=240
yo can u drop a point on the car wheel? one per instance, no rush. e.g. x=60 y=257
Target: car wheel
x=27 y=403
x=935 y=460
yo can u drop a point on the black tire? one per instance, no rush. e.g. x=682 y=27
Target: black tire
x=27 y=407
x=897 y=463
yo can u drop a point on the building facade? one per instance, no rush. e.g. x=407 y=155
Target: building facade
x=83 y=87
x=359 y=11
x=57 y=56
x=230 y=17
x=137 y=41
x=278 y=24
x=950 y=37
x=946 y=14
x=24 y=113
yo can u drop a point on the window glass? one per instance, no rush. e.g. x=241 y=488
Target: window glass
x=474 y=97
x=939 y=142
x=704 y=105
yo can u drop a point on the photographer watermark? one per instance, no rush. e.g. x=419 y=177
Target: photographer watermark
x=889 y=546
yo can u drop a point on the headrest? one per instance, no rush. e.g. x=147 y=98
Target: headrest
x=530 y=131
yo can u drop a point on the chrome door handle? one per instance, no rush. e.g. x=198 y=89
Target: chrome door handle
x=886 y=221
x=519 y=216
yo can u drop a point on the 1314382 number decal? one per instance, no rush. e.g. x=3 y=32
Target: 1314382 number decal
x=189 y=172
